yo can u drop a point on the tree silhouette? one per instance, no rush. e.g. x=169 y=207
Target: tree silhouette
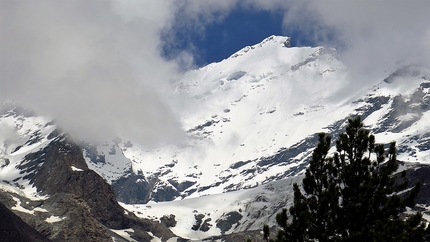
x=350 y=196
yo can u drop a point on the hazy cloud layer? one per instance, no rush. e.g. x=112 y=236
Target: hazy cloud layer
x=95 y=66
x=376 y=37
x=193 y=16
x=373 y=37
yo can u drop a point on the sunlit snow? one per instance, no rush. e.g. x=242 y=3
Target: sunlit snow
x=53 y=219
x=76 y=169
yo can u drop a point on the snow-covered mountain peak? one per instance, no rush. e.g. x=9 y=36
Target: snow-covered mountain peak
x=270 y=42
x=251 y=120
x=268 y=62
x=240 y=111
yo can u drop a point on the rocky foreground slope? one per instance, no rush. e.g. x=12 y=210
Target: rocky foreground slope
x=76 y=204
x=73 y=203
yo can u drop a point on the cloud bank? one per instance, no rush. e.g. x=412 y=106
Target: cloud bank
x=96 y=66
x=376 y=37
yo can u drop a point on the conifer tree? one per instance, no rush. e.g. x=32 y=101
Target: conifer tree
x=266 y=232
x=350 y=196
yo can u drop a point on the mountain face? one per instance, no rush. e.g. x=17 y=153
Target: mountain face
x=55 y=193
x=241 y=115
x=251 y=124
x=12 y=228
x=253 y=118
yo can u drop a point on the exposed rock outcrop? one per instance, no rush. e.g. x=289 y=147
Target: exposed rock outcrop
x=61 y=168
x=14 y=229
x=81 y=201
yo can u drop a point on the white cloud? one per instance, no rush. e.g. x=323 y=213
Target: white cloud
x=96 y=66
x=374 y=37
x=93 y=65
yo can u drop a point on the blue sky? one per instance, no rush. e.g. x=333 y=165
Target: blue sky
x=240 y=28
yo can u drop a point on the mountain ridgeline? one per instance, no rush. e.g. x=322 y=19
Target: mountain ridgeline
x=252 y=123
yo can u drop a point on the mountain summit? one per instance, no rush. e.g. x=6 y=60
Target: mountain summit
x=251 y=123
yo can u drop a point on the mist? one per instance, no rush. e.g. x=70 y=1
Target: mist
x=374 y=38
x=96 y=66
x=93 y=66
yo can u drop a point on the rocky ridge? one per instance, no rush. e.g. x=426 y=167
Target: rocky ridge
x=78 y=204
x=248 y=139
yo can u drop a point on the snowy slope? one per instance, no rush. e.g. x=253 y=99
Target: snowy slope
x=252 y=119
x=21 y=133
x=251 y=122
x=244 y=108
x=405 y=116
x=248 y=209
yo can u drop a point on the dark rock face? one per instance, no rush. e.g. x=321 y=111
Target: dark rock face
x=85 y=203
x=206 y=225
x=372 y=104
x=165 y=193
x=135 y=188
x=128 y=190
x=181 y=186
x=410 y=177
x=78 y=224
x=76 y=221
x=168 y=221
x=56 y=175
x=228 y=221
x=200 y=224
x=255 y=236
x=14 y=229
